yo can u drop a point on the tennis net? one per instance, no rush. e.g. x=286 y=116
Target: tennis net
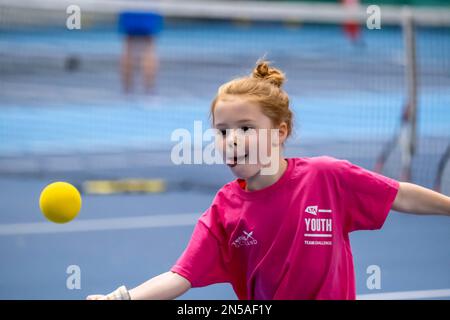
x=64 y=109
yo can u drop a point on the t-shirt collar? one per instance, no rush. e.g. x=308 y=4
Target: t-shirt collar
x=267 y=190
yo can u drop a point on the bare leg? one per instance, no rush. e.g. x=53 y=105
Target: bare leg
x=149 y=64
x=127 y=66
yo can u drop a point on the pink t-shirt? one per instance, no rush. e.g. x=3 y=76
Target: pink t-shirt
x=289 y=240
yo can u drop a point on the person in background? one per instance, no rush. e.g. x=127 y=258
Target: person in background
x=351 y=27
x=140 y=29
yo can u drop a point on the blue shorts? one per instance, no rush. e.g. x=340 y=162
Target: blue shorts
x=140 y=23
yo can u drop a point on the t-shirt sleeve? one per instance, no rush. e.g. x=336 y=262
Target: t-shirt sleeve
x=367 y=196
x=202 y=262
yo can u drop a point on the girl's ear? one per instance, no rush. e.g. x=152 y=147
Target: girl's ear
x=282 y=133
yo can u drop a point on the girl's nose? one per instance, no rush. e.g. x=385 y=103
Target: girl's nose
x=232 y=138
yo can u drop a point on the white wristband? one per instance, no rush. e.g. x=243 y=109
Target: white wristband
x=120 y=293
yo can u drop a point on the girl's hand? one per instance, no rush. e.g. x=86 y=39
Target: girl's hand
x=96 y=297
x=120 y=293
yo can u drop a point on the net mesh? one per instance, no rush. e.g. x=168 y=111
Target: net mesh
x=64 y=108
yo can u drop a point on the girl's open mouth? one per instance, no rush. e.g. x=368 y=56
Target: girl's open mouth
x=232 y=162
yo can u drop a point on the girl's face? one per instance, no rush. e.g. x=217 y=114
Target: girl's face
x=244 y=135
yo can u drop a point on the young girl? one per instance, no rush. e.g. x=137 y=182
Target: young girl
x=283 y=235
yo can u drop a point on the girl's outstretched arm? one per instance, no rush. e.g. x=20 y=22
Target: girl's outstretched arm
x=415 y=199
x=166 y=286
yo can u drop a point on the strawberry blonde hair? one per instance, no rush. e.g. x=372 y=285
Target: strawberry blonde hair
x=263 y=86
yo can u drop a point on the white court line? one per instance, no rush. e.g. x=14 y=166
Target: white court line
x=406 y=295
x=153 y=221
x=318 y=235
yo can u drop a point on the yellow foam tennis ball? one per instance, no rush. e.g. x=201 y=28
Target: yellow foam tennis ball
x=60 y=202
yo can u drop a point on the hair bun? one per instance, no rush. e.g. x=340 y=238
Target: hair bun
x=265 y=72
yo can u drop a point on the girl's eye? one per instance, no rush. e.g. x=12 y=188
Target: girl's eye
x=223 y=132
x=246 y=129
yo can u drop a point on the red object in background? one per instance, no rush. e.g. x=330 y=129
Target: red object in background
x=351 y=28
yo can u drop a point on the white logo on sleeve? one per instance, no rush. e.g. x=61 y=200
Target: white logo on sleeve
x=245 y=240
